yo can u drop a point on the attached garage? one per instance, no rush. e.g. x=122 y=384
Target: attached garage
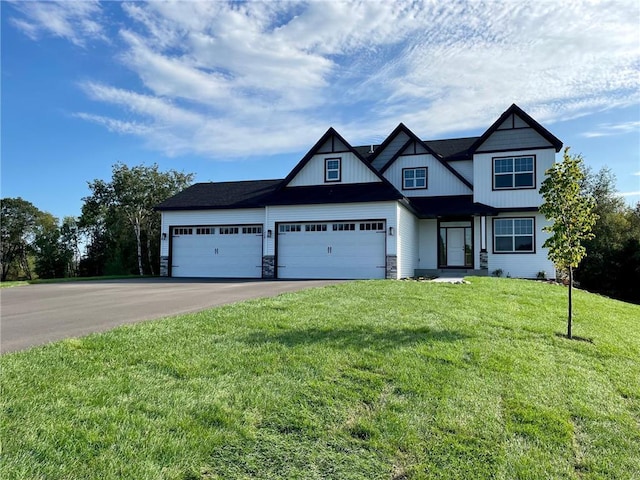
x=343 y=249
x=216 y=251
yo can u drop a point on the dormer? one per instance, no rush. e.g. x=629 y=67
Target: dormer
x=331 y=161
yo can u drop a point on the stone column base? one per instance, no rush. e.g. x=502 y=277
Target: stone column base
x=269 y=266
x=391 y=267
x=164 y=266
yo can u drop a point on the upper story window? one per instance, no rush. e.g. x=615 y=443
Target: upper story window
x=332 y=170
x=513 y=235
x=414 y=178
x=514 y=172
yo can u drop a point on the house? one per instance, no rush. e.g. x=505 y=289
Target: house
x=404 y=208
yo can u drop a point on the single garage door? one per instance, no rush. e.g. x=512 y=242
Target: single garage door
x=228 y=251
x=351 y=249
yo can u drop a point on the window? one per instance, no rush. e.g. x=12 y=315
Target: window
x=205 y=231
x=332 y=169
x=514 y=172
x=229 y=230
x=413 y=178
x=315 y=227
x=249 y=230
x=340 y=227
x=183 y=231
x=296 y=227
x=513 y=235
x=377 y=226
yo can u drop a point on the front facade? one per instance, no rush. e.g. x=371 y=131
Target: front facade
x=404 y=208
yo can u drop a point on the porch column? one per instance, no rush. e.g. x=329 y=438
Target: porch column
x=484 y=256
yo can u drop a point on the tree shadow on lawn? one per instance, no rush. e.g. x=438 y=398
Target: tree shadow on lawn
x=356 y=337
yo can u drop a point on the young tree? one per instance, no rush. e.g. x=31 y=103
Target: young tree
x=572 y=215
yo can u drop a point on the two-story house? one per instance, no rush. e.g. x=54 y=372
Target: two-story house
x=404 y=208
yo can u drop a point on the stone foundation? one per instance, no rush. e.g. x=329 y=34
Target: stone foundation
x=391 y=267
x=484 y=260
x=164 y=266
x=269 y=266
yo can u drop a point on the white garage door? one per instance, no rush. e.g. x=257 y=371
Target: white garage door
x=229 y=251
x=351 y=249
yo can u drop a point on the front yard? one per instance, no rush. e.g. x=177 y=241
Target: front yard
x=363 y=380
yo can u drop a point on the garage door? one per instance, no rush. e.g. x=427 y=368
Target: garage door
x=229 y=251
x=352 y=249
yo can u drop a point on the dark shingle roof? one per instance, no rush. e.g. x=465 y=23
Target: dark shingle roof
x=335 y=193
x=453 y=148
x=202 y=196
x=449 y=206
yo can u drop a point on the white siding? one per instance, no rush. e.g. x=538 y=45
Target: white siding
x=254 y=216
x=352 y=170
x=392 y=148
x=407 y=241
x=464 y=168
x=521 y=265
x=344 y=211
x=513 y=138
x=483 y=180
x=440 y=181
x=428 y=246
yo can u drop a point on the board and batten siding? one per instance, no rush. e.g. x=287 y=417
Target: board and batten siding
x=521 y=265
x=508 y=138
x=428 y=244
x=526 y=197
x=248 y=216
x=407 y=242
x=352 y=171
x=392 y=148
x=464 y=168
x=440 y=181
x=326 y=213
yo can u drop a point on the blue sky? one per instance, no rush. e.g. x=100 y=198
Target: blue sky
x=234 y=91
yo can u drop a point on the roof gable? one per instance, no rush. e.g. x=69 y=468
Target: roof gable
x=417 y=144
x=514 y=118
x=331 y=142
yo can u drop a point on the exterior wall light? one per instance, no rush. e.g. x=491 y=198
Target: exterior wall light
x=391 y=231
x=164 y=236
x=269 y=233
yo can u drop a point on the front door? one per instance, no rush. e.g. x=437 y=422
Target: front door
x=455 y=247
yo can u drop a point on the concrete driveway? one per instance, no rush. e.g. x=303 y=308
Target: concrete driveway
x=37 y=314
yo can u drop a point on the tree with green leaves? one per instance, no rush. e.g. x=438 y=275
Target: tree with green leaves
x=18 y=227
x=572 y=216
x=128 y=199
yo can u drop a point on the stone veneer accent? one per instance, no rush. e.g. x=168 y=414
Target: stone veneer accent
x=268 y=266
x=484 y=260
x=392 y=267
x=164 y=266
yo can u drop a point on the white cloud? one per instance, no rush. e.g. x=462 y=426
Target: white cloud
x=607 y=129
x=636 y=174
x=237 y=79
x=629 y=194
x=72 y=20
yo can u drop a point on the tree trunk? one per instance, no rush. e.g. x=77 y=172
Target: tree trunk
x=149 y=253
x=136 y=227
x=570 y=315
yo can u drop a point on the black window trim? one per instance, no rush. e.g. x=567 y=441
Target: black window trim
x=513 y=252
x=326 y=170
x=493 y=173
x=426 y=178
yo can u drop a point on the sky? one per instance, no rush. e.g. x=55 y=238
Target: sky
x=242 y=90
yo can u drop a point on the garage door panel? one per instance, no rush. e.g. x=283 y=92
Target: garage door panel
x=332 y=253
x=235 y=255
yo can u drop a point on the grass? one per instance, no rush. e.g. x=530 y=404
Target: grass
x=364 y=380
x=19 y=283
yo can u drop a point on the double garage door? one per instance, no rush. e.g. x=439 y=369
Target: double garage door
x=351 y=249
x=229 y=251
x=344 y=249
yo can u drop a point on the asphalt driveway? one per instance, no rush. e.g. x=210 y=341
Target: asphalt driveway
x=37 y=314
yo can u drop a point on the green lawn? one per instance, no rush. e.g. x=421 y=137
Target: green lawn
x=364 y=380
x=19 y=283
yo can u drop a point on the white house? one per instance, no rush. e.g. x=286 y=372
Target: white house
x=404 y=208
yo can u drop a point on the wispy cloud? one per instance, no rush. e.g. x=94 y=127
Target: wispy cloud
x=76 y=21
x=608 y=129
x=630 y=194
x=238 y=79
x=636 y=174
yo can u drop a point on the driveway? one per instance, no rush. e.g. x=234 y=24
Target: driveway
x=37 y=314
